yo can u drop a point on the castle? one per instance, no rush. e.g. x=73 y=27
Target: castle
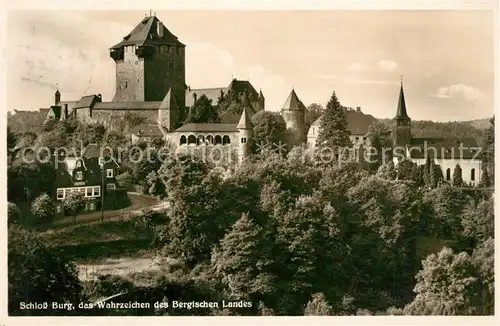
x=151 y=85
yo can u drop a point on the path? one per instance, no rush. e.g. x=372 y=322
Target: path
x=139 y=202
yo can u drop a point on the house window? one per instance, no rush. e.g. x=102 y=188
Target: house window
x=243 y=140
x=473 y=175
x=89 y=192
x=97 y=191
x=91 y=206
x=109 y=173
x=58 y=208
x=78 y=164
x=60 y=193
x=170 y=64
x=79 y=175
x=110 y=186
x=82 y=190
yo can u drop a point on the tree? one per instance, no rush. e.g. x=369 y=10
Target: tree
x=478 y=222
x=457 y=176
x=333 y=127
x=318 y=306
x=13 y=214
x=88 y=133
x=202 y=112
x=74 y=204
x=243 y=261
x=43 y=208
x=379 y=135
x=314 y=111
x=387 y=171
x=486 y=181
x=488 y=153
x=11 y=139
x=37 y=274
x=447 y=284
x=269 y=130
x=405 y=170
x=484 y=261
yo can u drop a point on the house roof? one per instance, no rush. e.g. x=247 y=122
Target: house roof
x=357 y=122
x=211 y=93
x=128 y=105
x=443 y=148
x=146 y=33
x=207 y=127
x=86 y=101
x=56 y=110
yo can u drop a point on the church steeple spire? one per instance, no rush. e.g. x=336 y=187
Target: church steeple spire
x=401 y=112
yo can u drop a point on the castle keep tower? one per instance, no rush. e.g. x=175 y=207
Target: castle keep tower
x=294 y=112
x=401 y=131
x=149 y=61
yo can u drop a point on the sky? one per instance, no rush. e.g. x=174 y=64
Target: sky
x=446 y=57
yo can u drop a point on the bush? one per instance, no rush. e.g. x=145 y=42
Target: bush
x=116 y=199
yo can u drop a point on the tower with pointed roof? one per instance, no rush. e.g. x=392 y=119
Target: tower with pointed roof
x=401 y=132
x=293 y=112
x=245 y=131
x=149 y=62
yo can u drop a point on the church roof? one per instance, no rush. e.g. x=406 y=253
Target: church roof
x=146 y=33
x=245 y=122
x=207 y=127
x=357 y=122
x=293 y=102
x=443 y=148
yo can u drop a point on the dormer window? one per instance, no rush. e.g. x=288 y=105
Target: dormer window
x=109 y=173
x=78 y=164
x=79 y=175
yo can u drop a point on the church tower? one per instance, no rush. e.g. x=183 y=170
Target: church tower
x=149 y=62
x=245 y=130
x=401 y=131
x=294 y=112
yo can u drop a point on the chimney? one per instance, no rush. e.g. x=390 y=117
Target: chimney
x=159 y=29
x=358 y=109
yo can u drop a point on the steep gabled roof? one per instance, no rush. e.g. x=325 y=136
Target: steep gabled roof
x=245 y=122
x=146 y=33
x=86 y=102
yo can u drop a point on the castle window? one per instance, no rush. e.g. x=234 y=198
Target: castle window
x=137 y=79
x=364 y=138
x=218 y=139
x=183 y=140
x=473 y=174
x=243 y=140
x=200 y=140
x=448 y=174
x=210 y=139
x=226 y=140
x=126 y=84
x=191 y=140
x=357 y=138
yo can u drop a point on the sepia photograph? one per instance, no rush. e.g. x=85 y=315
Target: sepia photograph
x=250 y=163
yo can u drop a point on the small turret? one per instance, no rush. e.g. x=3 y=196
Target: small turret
x=245 y=129
x=57 y=97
